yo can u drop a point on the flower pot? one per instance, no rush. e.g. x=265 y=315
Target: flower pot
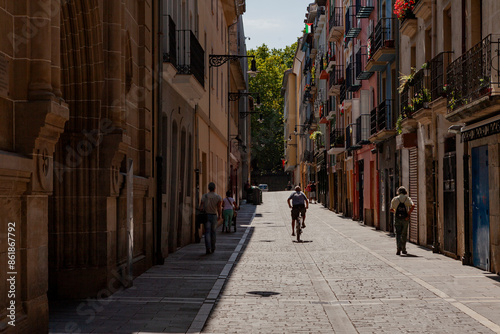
x=485 y=90
x=389 y=43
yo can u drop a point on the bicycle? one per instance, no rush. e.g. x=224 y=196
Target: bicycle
x=298 y=227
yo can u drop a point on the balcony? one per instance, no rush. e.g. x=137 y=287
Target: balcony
x=337 y=142
x=360 y=68
x=351 y=23
x=190 y=77
x=336 y=24
x=473 y=82
x=364 y=8
x=350 y=138
x=381 y=48
x=363 y=129
x=169 y=46
x=351 y=82
x=409 y=25
x=336 y=79
x=382 y=122
x=423 y=9
x=406 y=108
x=437 y=67
x=307 y=156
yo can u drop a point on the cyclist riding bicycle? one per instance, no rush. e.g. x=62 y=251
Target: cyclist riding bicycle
x=299 y=206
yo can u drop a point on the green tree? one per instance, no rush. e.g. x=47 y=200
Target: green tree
x=267 y=137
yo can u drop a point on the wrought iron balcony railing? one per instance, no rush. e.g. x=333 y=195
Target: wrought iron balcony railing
x=336 y=76
x=335 y=19
x=383 y=35
x=350 y=137
x=190 y=55
x=169 y=41
x=352 y=84
x=363 y=129
x=337 y=138
x=351 y=23
x=308 y=156
x=437 y=67
x=382 y=121
x=360 y=65
x=405 y=103
x=419 y=81
x=385 y=117
x=471 y=76
x=373 y=121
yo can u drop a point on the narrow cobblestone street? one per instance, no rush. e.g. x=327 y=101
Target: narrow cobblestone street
x=344 y=278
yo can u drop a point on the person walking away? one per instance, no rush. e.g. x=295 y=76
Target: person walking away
x=299 y=205
x=312 y=194
x=211 y=203
x=229 y=205
x=402 y=207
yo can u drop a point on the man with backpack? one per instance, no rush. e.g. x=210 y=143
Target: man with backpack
x=402 y=207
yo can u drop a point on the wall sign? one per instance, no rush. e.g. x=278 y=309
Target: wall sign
x=481 y=131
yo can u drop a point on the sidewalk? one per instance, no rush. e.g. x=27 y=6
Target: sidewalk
x=176 y=297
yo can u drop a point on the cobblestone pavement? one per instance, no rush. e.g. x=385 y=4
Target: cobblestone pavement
x=345 y=278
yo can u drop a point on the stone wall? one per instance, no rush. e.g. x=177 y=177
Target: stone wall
x=75 y=106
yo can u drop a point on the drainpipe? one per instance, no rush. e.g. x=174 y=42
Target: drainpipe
x=435 y=243
x=466 y=259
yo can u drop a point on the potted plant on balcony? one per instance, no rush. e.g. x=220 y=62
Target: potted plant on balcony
x=399 y=121
x=484 y=84
x=316 y=137
x=444 y=90
x=408 y=111
x=406 y=80
x=389 y=43
x=422 y=99
x=403 y=9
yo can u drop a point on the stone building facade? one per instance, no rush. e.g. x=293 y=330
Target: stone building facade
x=450 y=119
x=75 y=150
x=108 y=136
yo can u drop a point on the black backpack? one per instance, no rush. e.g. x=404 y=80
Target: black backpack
x=401 y=212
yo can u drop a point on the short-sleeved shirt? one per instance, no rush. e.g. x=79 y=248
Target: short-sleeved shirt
x=228 y=203
x=401 y=199
x=210 y=202
x=298 y=198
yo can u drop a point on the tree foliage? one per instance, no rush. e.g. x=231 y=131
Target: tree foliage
x=267 y=137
